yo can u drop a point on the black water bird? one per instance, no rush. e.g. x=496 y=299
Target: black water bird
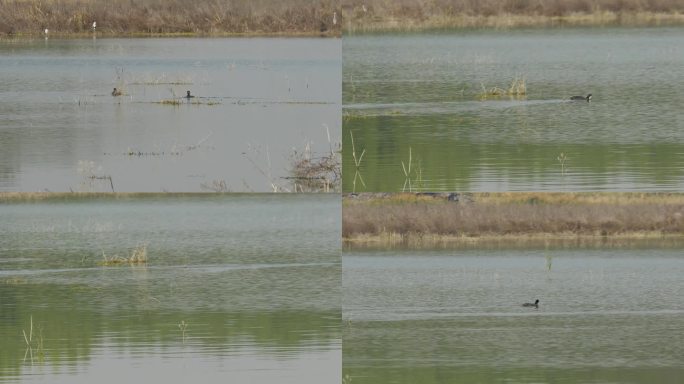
x=189 y=96
x=582 y=98
x=535 y=304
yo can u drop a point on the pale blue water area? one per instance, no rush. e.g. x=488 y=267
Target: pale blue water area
x=235 y=289
x=257 y=100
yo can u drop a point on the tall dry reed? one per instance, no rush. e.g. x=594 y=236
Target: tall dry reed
x=378 y=15
x=487 y=216
x=169 y=16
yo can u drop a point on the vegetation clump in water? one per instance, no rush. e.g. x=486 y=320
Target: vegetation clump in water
x=517 y=89
x=311 y=173
x=137 y=256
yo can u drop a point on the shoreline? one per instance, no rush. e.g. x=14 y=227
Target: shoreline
x=371 y=24
x=125 y=18
x=420 y=220
x=386 y=241
x=144 y=35
x=32 y=197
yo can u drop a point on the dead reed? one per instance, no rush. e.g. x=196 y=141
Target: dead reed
x=117 y=17
x=405 y=15
x=36 y=197
x=180 y=101
x=517 y=89
x=138 y=255
x=310 y=172
x=513 y=215
x=170 y=102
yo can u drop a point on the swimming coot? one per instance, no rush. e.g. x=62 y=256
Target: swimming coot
x=536 y=304
x=582 y=98
x=189 y=96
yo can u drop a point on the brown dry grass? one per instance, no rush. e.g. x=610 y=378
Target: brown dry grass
x=495 y=215
x=310 y=173
x=408 y=15
x=117 y=17
x=138 y=255
x=30 y=197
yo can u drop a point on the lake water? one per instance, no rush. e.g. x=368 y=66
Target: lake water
x=605 y=316
x=236 y=289
x=417 y=95
x=257 y=99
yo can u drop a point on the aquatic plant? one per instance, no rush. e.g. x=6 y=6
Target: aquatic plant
x=517 y=89
x=549 y=261
x=28 y=339
x=561 y=159
x=175 y=150
x=357 y=164
x=30 y=343
x=174 y=102
x=311 y=173
x=138 y=255
x=180 y=101
x=346 y=379
x=308 y=171
x=91 y=175
x=15 y=281
x=407 y=174
x=183 y=326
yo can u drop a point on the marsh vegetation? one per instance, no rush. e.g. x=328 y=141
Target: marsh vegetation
x=136 y=256
x=202 y=17
x=396 y=218
x=385 y=15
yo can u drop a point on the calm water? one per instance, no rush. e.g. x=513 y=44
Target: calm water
x=605 y=316
x=256 y=280
x=419 y=93
x=257 y=100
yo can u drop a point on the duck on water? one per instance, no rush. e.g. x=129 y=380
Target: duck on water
x=535 y=304
x=117 y=92
x=581 y=98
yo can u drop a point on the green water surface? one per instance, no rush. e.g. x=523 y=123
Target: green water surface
x=414 y=99
x=236 y=288
x=605 y=316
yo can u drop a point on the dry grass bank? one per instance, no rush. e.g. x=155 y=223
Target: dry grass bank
x=28 y=197
x=413 y=15
x=197 y=17
x=431 y=219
